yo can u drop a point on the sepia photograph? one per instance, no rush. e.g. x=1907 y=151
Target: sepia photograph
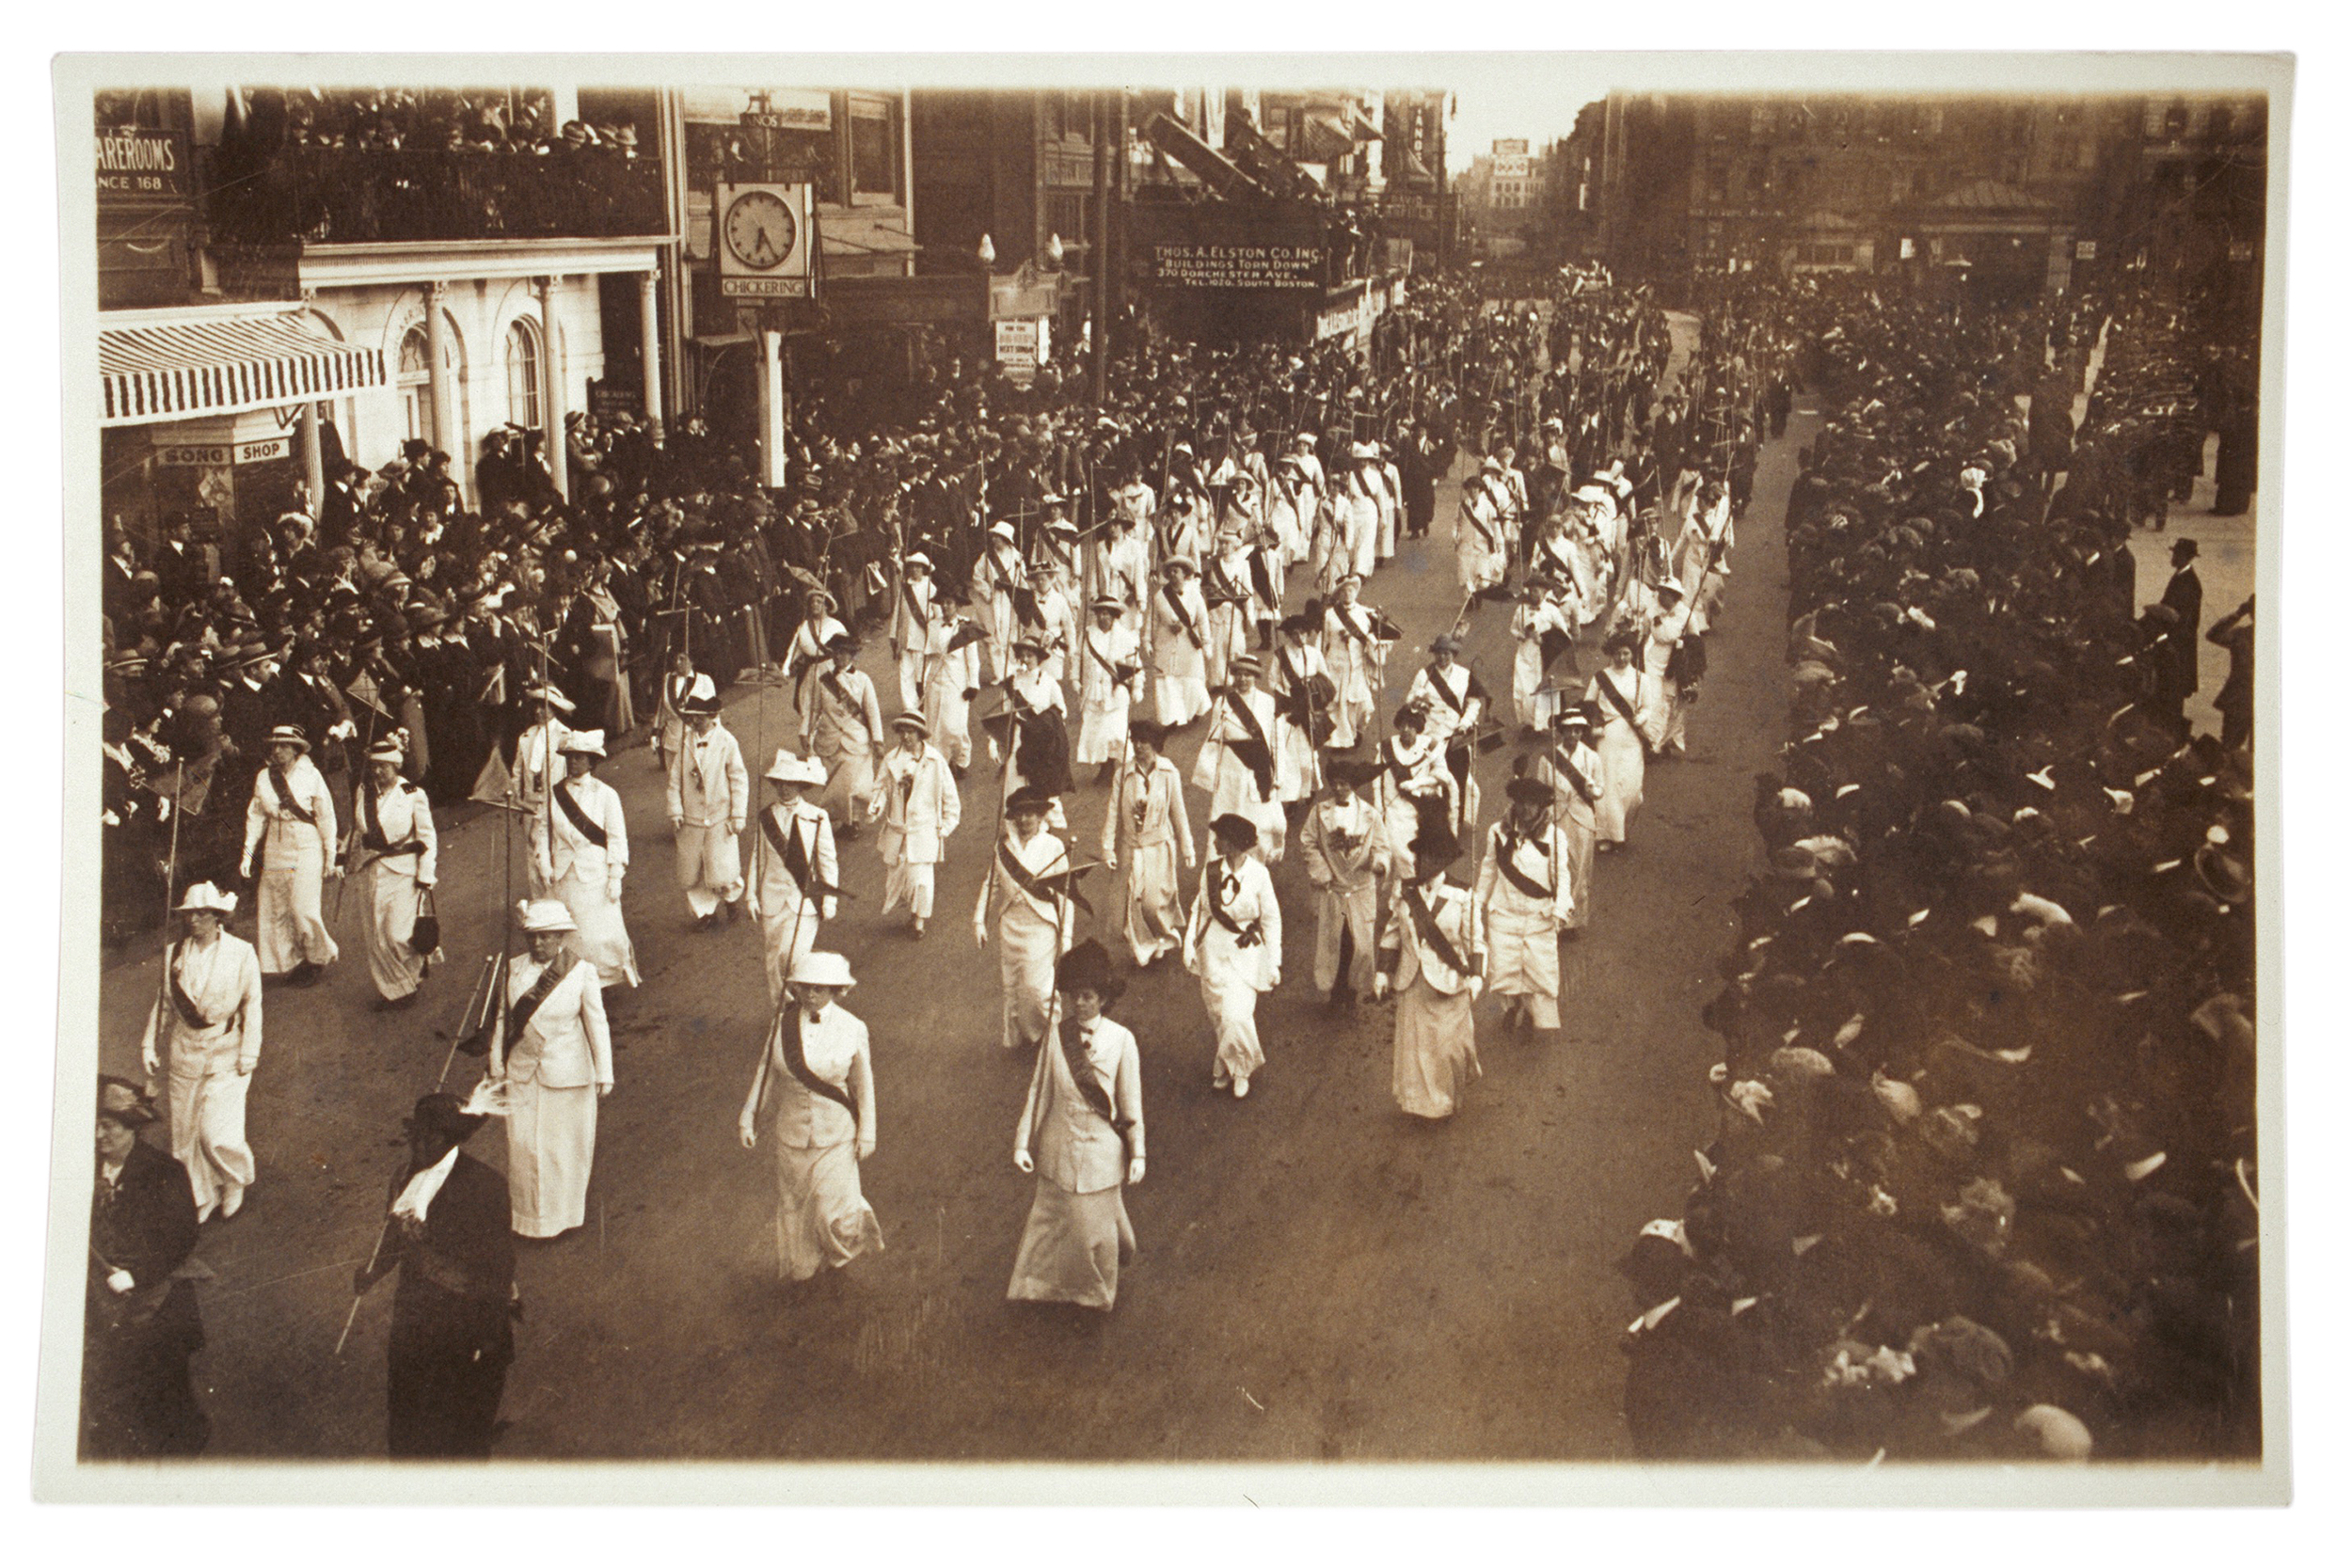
x=1320 y=762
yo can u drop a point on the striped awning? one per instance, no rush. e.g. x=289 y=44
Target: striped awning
x=186 y=370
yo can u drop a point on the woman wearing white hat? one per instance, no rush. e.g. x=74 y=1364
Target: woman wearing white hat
x=1176 y=644
x=557 y=1062
x=912 y=620
x=579 y=853
x=996 y=577
x=208 y=1023
x=793 y=863
x=291 y=821
x=1481 y=551
x=393 y=841
x=815 y=1084
x=921 y=806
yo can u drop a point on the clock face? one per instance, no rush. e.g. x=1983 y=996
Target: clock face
x=759 y=229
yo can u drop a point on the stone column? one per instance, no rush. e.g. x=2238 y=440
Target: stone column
x=554 y=448
x=314 y=459
x=771 y=409
x=445 y=432
x=649 y=331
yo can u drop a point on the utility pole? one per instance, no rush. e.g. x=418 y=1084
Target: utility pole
x=1099 y=252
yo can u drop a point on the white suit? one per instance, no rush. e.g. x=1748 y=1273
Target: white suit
x=709 y=795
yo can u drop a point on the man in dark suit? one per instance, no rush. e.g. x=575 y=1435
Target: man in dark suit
x=2185 y=597
x=140 y=1323
x=453 y=1337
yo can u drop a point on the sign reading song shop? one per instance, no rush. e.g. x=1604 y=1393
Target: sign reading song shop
x=1237 y=266
x=135 y=165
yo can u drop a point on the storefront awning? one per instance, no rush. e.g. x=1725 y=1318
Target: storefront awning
x=190 y=368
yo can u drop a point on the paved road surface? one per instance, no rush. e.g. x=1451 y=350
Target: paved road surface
x=1320 y=1276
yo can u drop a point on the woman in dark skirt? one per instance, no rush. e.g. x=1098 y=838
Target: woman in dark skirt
x=140 y=1324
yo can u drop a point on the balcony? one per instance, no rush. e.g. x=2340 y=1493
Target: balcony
x=323 y=196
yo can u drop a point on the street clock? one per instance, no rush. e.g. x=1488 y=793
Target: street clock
x=763 y=239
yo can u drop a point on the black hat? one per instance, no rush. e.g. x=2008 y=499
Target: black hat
x=1234 y=828
x=124 y=1102
x=2184 y=550
x=443 y=1117
x=1150 y=731
x=1029 y=801
x=1437 y=844
x=1525 y=791
x=1088 y=967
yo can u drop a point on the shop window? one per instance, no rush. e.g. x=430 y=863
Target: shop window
x=874 y=147
x=522 y=375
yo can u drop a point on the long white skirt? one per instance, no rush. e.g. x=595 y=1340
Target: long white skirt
x=1103 y=731
x=1580 y=840
x=602 y=939
x=1153 y=920
x=1233 y=1005
x=710 y=867
x=287 y=910
x=1622 y=768
x=1027 y=947
x=906 y=883
x=1073 y=1247
x=208 y=1129
x=391 y=919
x=823 y=1218
x=551 y=1146
x=1436 y=1054
x=1177 y=700
x=1523 y=960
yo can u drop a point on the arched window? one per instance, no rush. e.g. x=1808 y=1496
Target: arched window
x=416 y=383
x=522 y=375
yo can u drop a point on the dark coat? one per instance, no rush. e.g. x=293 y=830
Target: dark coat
x=137 y=1399
x=452 y=1318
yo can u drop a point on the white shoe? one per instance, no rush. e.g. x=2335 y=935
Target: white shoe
x=1241 y=1088
x=231 y=1201
x=1219 y=1081
x=203 y=1212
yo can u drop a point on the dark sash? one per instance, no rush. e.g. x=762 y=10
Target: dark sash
x=791 y=850
x=1049 y=889
x=1091 y=1088
x=1426 y=923
x=678 y=687
x=1176 y=602
x=1246 y=936
x=372 y=836
x=1120 y=673
x=1346 y=614
x=1460 y=704
x=1505 y=848
x=1261 y=575
x=1618 y=700
x=284 y=792
x=1576 y=775
x=1252 y=748
x=182 y=1003
x=1551 y=644
x=796 y=1062
x=524 y=1008
x=830 y=681
x=580 y=820
x=1494 y=541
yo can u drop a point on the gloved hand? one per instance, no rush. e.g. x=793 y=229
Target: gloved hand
x=1379 y=987
x=747 y=1133
x=1023 y=1162
x=120 y=1281
x=1134 y=1170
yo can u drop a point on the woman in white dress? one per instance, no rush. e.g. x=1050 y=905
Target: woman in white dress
x=1110 y=679
x=1177 y=648
x=1081 y=1133
x=1430 y=959
x=206 y=1027
x=1615 y=693
x=1234 y=942
x=581 y=843
x=556 y=1063
x=816 y=1084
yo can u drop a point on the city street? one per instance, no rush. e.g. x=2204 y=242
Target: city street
x=1319 y=1276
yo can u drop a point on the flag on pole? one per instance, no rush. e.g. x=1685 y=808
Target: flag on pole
x=494 y=785
x=364 y=692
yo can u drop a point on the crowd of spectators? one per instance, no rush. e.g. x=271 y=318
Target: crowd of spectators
x=1982 y=1184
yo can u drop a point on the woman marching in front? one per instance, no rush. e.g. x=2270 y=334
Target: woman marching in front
x=557 y=1062
x=1029 y=890
x=291 y=821
x=392 y=828
x=209 y=1022
x=582 y=839
x=816 y=1083
x=1234 y=942
x=1615 y=695
x=1429 y=958
x=1081 y=1132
